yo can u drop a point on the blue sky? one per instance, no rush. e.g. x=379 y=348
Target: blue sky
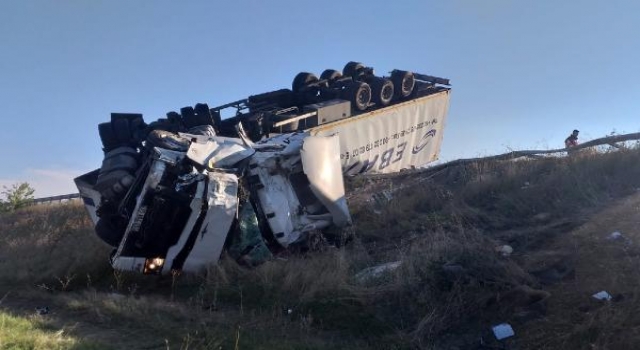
x=524 y=73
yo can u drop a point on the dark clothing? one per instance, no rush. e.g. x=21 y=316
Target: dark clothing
x=571 y=141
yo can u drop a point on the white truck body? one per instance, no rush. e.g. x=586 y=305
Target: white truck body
x=401 y=136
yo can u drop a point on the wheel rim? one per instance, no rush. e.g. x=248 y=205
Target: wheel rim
x=387 y=93
x=407 y=84
x=363 y=97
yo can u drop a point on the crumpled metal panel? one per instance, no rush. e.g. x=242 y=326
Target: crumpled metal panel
x=219 y=152
x=222 y=199
x=321 y=163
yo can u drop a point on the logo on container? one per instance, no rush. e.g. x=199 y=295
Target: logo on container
x=424 y=141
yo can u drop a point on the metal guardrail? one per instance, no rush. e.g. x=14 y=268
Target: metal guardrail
x=609 y=140
x=59 y=199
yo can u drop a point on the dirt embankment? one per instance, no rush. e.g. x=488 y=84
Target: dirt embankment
x=452 y=285
x=601 y=255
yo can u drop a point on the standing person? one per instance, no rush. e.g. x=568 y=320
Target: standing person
x=572 y=140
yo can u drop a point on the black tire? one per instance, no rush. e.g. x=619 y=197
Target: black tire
x=188 y=114
x=359 y=93
x=126 y=128
x=107 y=137
x=116 y=174
x=114 y=185
x=108 y=232
x=330 y=75
x=137 y=122
x=137 y=126
x=203 y=116
x=122 y=132
x=403 y=82
x=382 y=90
x=174 y=118
x=352 y=69
x=301 y=80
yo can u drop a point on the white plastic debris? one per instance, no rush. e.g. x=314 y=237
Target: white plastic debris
x=603 y=295
x=614 y=235
x=376 y=271
x=505 y=250
x=503 y=331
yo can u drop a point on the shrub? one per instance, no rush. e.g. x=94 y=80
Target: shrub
x=16 y=197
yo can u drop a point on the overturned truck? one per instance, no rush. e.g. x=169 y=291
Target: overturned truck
x=172 y=194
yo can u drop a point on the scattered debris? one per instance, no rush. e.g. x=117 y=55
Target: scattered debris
x=602 y=295
x=505 y=250
x=618 y=236
x=615 y=235
x=377 y=271
x=503 y=331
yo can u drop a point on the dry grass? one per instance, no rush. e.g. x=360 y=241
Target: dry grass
x=458 y=216
x=52 y=245
x=575 y=320
x=450 y=287
x=498 y=196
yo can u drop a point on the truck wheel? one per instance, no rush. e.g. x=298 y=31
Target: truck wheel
x=359 y=93
x=117 y=172
x=121 y=131
x=301 y=80
x=330 y=75
x=404 y=83
x=383 y=90
x=109 y=140
x=202 y=116
x=352 y=69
